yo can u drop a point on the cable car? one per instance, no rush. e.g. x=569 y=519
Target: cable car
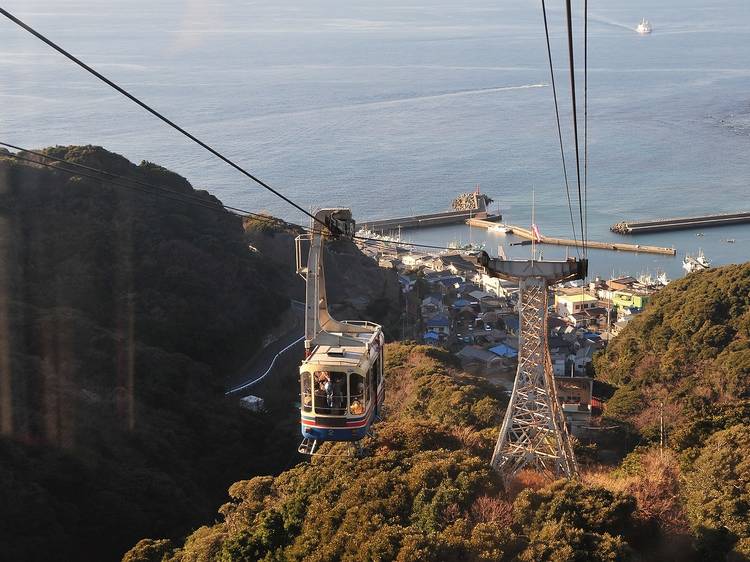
x=341 y=378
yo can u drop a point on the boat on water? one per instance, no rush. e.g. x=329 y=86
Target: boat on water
x=644 y=28
x=456 y=245
x=699 y=262
x=364 y=233
x=500 y=228
x=659 y=280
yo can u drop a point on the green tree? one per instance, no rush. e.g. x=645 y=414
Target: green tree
x=718 y=492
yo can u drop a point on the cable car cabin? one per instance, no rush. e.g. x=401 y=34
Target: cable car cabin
x=342 y=390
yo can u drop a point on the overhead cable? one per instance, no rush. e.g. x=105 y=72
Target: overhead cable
x=575 y=116
x=134 y=184
x=585 y=117
x=171 y=194
x=156 y=113
x=559 y=129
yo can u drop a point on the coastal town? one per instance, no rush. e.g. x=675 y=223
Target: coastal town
x=453 y=304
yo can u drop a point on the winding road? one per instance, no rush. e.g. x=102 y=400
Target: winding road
x=264 y=362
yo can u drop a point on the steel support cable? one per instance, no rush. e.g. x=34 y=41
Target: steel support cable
x=146 y=188
x=403 y=243
x=165 y=194
x=176 y=127
x=575 y=115
x=559 y=129
x=157 y=114
x=110 y=175
x=586 y=117
x=172 y=195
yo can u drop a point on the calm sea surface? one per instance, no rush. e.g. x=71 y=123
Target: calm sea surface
x=394 y=106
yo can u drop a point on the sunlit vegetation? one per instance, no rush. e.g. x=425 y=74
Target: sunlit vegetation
x=425 y=491
x=685 y=362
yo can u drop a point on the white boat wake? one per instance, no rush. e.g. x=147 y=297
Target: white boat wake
x=395 y=101
x=613 y=23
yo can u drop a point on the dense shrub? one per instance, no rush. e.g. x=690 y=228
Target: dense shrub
x=420 y=495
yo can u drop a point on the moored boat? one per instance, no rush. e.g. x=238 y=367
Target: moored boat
x=698 y=262
x=644 y=28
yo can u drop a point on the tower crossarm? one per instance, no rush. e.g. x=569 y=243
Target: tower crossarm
x=551 y=271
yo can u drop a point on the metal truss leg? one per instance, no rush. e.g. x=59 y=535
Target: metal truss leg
x=533 y=434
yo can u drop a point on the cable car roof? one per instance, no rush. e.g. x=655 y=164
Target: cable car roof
x=340 y=356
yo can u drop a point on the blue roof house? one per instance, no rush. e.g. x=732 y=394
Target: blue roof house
x=439 y=324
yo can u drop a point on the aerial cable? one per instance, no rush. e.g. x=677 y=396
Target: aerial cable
x=585 y=117
x=156 y=193
x=575 y=116
x=147 y=188
x=397 y=243
x=173 y=195
x=154 y=112
x=559 y=130
x=179 y=129
x=185 y=197
x=235 y=210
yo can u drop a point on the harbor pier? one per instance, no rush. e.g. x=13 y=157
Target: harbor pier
x=683 y=223
x=617 y=246
x=477 y=204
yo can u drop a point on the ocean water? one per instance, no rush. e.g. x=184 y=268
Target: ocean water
x=391 y=107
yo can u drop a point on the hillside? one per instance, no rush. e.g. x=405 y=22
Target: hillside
x=122 y=313
x=686 y=360
x=424 y=493
x=687 y=355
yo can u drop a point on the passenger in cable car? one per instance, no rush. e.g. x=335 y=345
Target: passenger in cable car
x=338 y=396
x=321 y=378
x=356 y=395
x=328 y=387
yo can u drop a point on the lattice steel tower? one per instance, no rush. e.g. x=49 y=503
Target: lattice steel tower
x=533 y=433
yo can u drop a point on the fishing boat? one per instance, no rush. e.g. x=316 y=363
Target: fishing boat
x=699 y=262
x=457 y=245
x=644 y=28
x=500 y=228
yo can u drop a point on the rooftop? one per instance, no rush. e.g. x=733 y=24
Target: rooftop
x=579 y=297
x=438 y=321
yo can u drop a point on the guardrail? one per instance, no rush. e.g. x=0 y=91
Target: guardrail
x=267 y=372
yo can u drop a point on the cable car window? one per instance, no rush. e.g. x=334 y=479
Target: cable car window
x=307 y=399
x=330 y=393
x=356 y=394
x=376 y=373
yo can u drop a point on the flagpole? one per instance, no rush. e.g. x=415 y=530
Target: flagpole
x=533 y=226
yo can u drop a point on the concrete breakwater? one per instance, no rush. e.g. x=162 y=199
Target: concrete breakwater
x=681 y=223
x=457 y=216
x=529 y=235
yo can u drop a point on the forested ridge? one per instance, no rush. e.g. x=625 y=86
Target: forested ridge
x=425 y=492
x=685 y=361
x=121 y=313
